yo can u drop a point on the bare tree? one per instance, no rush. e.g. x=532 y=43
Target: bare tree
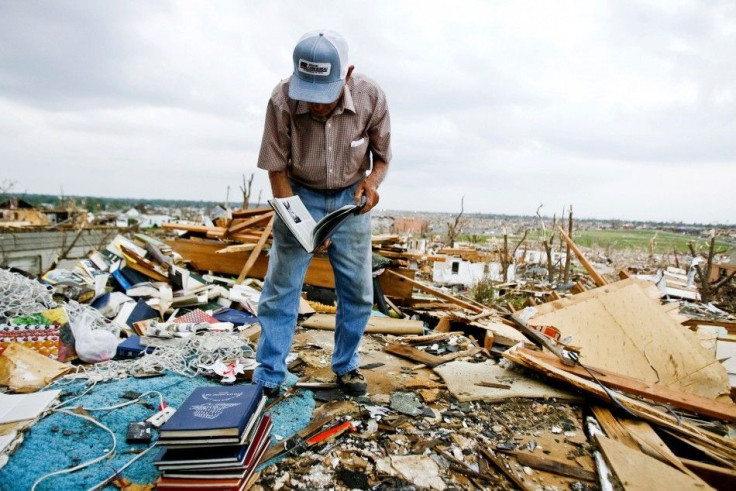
x=6 y=185
x=708 y=288
x=568 y=258
x=547 y=243
x=456 y=226
x=246 y=189
x=507 y=258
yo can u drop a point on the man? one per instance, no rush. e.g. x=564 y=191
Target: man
x=324 y=128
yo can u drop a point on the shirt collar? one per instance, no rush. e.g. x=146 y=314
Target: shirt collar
x=345 y=104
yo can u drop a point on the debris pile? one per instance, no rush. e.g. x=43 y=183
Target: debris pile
x=482 y=373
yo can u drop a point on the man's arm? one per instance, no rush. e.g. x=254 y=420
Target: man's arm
x=280 y=185
x=368 y=187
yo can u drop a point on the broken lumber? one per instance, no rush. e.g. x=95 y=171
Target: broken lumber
x=639 y=472
x=599 y=280
x=256 y=251
x=433 y=291
x=723 y=448
x=655 y=392
x=622 y=329
x=548 y=464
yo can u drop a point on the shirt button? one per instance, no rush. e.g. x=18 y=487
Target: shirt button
x=329 y=125
x=330 y=149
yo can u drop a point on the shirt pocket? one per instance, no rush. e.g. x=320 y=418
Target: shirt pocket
x=358 y=152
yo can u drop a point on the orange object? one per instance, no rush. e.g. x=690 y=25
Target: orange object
x=336 y=431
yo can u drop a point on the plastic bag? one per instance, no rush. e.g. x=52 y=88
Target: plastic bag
x=93 y=344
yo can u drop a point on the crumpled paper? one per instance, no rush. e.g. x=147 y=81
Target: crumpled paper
x=24 y=370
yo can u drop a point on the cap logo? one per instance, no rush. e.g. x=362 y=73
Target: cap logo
x=314 y=68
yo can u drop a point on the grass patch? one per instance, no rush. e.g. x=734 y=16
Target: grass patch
x=637 y=240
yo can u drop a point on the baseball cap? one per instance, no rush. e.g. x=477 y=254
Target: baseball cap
x=320 y=67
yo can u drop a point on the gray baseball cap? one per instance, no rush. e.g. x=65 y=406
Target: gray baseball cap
x=320 y=67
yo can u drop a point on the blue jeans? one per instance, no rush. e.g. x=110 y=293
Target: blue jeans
x=350 y=256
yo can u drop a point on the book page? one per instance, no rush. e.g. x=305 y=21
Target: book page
x=18 y=407
x=331 y=221
x=296 y=216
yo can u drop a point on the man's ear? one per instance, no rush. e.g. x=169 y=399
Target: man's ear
x=350 y=72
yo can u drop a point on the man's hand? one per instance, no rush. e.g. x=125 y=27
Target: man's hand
x=370 y=191
x=323 y=247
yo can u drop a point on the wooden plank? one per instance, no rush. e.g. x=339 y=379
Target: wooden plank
x=201 y=254
x=411 y=353
x=237 y=227
x=613 y=427
x=652 y=445
x=548 y=464
x=639 y=472
x=655 y=392
x=501 y=465
x=191 y=228
x=730 y=326
x=429 y=338
x=599 y=280
x=396 y=289
x=435 y=292
x=716 y=476
x=134 y=265
x=718 y=445
x=236 y=248
x=251 y=212
x=255 y=252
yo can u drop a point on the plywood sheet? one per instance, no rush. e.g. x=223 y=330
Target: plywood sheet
x=461 y=378
x=623 y=330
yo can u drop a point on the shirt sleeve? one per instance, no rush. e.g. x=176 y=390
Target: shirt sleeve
x=379 y=129
x=275 y=153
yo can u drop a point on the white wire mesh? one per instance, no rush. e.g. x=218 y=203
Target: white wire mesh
x=22 y=296
x=186 y=359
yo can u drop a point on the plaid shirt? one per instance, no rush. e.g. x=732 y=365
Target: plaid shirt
x=332 y=153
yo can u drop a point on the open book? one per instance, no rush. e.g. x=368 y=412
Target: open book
x=310 y=234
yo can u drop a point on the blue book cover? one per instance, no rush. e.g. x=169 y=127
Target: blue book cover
x=214 y=411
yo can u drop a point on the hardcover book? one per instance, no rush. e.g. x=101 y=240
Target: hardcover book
x=213 y=412
x=309 y=233
x=217 y=460
x=199 y=440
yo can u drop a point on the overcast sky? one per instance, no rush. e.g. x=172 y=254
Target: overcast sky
x=622 y=109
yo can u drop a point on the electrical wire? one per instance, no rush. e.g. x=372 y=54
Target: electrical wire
x=101 y=484
x=574 y=357
x=84 y=464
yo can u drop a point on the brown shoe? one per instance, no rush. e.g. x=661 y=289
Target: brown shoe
x=352 y=383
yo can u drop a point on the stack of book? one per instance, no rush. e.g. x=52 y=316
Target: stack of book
x=215 y=440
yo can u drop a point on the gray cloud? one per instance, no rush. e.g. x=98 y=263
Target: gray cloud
x=511 y=104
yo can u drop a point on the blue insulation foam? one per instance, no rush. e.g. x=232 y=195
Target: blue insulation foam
x=47 y=449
